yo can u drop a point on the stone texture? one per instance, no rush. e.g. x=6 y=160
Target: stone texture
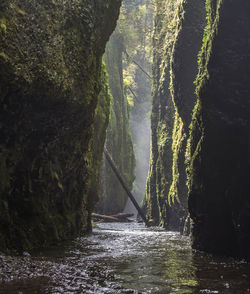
x=201 y=74
x=219 y=200
x=50 y=80
x=177 y=39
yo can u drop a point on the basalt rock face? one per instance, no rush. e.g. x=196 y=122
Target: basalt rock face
x=113 y=198
x=201 y=75
x=51 y=77
x=219 y=199
x=177 y=39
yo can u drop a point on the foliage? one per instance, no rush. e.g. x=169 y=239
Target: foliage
x=135 y=26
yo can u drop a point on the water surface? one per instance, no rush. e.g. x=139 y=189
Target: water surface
x=129 y=258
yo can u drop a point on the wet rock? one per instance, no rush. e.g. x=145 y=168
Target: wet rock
x=26 y=254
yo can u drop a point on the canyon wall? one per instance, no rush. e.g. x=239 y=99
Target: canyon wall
x=218 y=170
x=177 y=38
x=113 y=198
x=53 y=96
x=200 y=122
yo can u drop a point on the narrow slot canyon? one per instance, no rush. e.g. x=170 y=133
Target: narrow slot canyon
x=124 y=151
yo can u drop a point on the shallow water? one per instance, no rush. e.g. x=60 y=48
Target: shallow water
x=129 y=258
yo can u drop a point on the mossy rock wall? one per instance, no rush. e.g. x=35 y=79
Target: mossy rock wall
x=95 y=152
x=51 y=76
x=177 y=37
x=113 y=198
x=219 y=199
x=201 y=104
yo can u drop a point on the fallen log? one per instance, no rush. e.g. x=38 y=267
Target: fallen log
x=105 y=217
x=119 y=217
x=116 y=172
x=122 y=215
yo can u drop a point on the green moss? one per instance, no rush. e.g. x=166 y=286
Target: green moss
x=196 y=128
x=177 y=40
x=95 y=155
x=20 y=11
x=177 y=140
x=3 y=28
x=206 y=49
x=167 y=127
x=3 y=56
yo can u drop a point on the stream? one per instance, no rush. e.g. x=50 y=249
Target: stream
x=129 y=258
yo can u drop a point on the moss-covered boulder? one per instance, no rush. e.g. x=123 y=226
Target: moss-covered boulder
x=50 y=80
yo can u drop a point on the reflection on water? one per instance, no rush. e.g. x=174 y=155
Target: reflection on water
x=129 y=258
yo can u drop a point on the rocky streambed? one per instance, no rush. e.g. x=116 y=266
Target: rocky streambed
x=13 y=268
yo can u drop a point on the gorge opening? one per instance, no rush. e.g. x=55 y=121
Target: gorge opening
x=73 y=79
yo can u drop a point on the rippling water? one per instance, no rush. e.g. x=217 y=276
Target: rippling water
x=129 y=258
